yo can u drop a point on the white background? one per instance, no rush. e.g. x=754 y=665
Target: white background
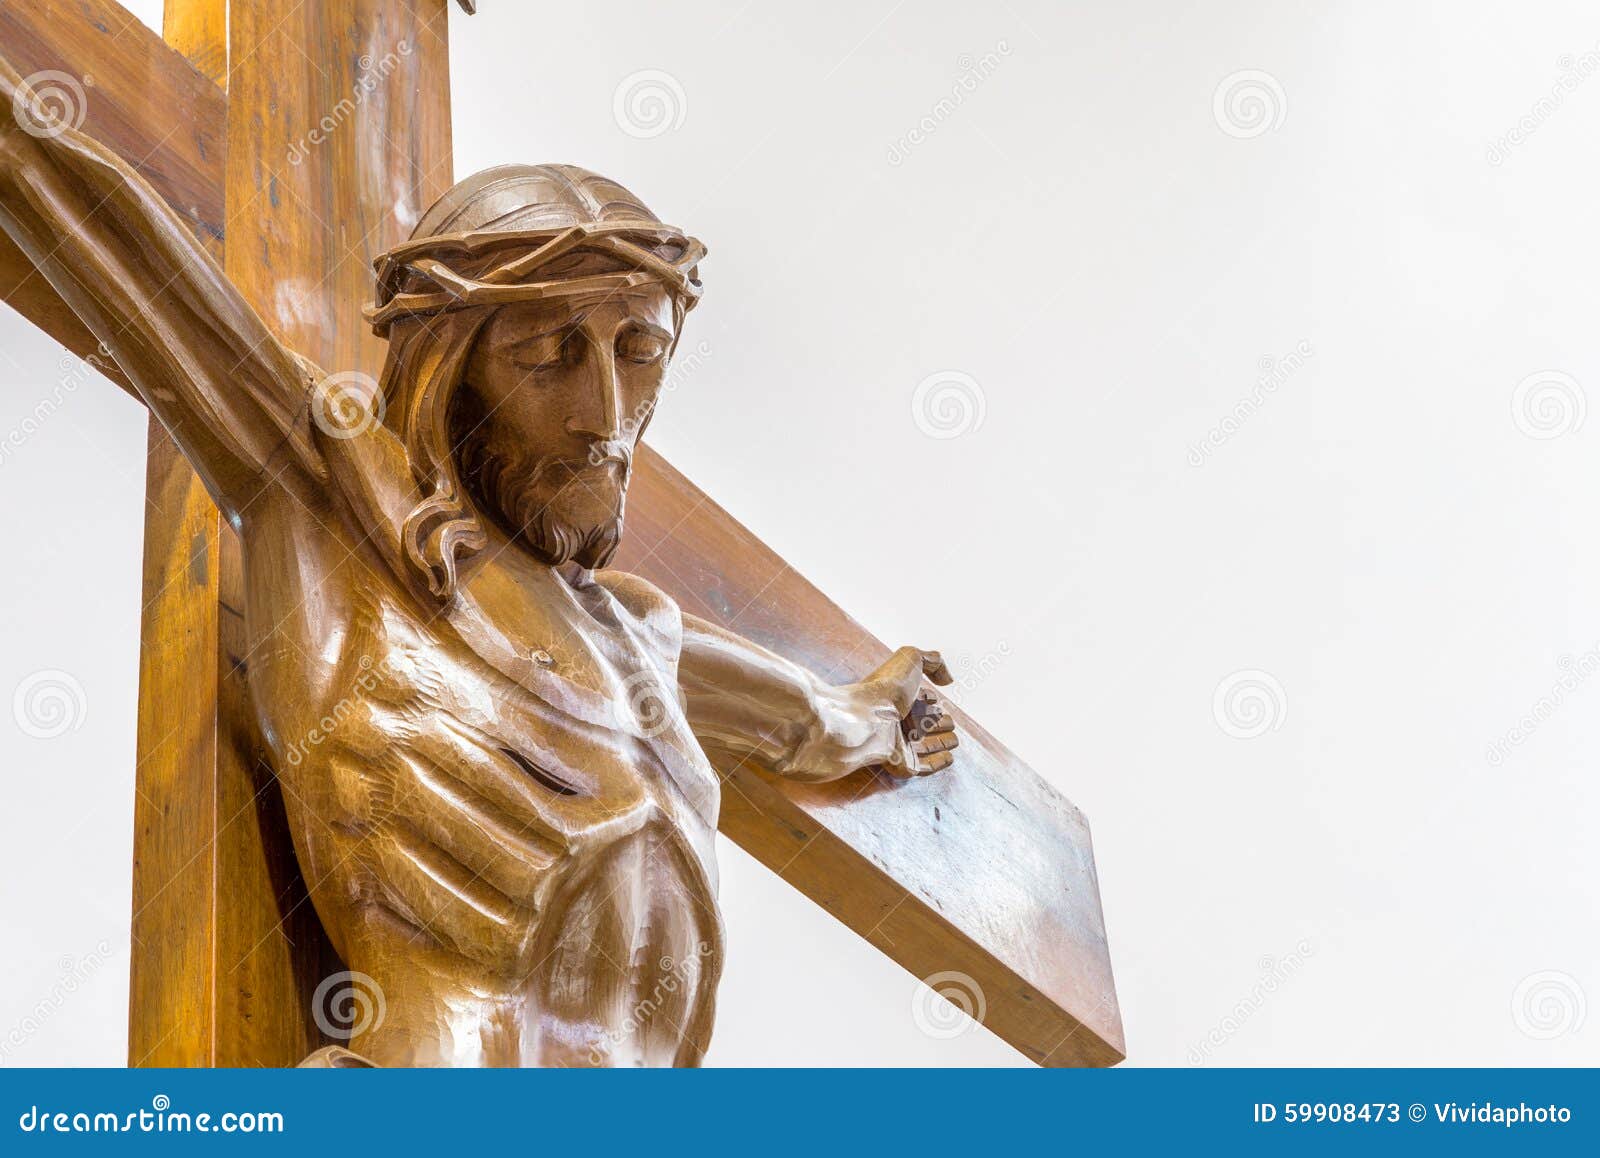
x=1081 y=236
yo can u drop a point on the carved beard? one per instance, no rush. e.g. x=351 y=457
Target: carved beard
x=538 y=502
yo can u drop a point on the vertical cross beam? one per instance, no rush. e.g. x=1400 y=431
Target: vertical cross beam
x=337 y=138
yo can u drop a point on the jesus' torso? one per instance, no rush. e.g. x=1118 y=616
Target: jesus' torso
x=502 y=788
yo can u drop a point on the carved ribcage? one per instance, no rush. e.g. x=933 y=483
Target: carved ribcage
x=457 y=799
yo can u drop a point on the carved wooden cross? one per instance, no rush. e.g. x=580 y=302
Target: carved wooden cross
x=982 y=871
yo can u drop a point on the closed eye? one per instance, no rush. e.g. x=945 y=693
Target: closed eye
x=643 y=346
x=544 y=352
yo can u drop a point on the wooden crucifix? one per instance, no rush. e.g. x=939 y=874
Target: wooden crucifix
x=417 y=731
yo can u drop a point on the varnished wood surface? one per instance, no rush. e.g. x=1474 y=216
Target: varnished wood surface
x=983 y=870
x=1010 y=901
x=142 y=100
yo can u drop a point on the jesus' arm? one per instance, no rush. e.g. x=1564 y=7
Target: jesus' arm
x=233 y=398
x=743 y=701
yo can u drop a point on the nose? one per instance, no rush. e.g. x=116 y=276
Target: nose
x=596 y=406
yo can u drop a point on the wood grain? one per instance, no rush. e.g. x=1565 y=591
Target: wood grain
x=983 y=870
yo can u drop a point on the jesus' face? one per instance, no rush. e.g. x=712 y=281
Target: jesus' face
x=549 y=412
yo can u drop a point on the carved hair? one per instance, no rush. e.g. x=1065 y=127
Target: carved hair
x=427 y=359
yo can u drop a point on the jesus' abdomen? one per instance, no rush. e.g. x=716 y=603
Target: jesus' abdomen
x=511 y=832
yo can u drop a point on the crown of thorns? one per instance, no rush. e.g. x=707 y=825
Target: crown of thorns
x=418 y=278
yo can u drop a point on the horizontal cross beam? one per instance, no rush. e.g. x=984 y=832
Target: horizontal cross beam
x=983 y=870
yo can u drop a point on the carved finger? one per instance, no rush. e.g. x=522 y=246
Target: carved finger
x=936 y=763
x=938 y=742
x=940 y=724
x=934 y=667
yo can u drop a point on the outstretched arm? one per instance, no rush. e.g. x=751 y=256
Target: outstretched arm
x=232 y=396
x=744 y=701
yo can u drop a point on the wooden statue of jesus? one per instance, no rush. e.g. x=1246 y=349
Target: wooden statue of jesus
x=492 y=748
